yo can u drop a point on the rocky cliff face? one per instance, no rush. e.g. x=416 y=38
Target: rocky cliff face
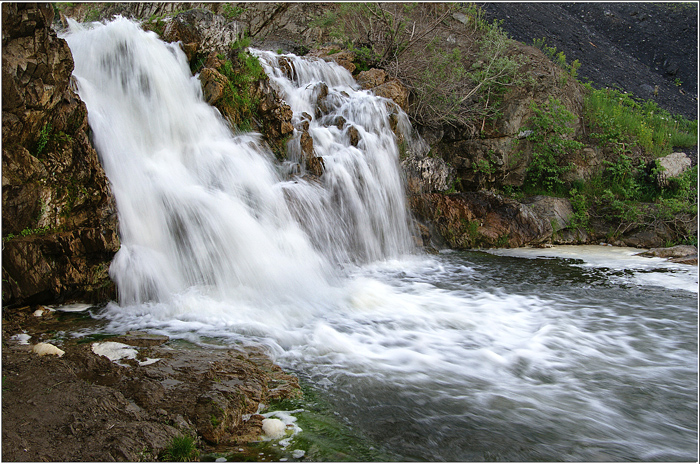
x=59 y=218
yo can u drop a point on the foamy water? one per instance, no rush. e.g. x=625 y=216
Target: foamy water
x=621 y=264
x=461 y=356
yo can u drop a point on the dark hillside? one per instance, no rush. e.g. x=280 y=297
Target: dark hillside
x=633 y=46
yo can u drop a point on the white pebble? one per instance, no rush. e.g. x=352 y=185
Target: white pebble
x=42 y=349
x=22 y=339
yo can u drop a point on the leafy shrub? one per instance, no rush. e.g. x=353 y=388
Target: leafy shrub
x=550 y=127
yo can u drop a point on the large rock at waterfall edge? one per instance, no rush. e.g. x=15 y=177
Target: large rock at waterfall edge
x=104 y=411
x=484 y=219
x=201 y=32
x=59 y=216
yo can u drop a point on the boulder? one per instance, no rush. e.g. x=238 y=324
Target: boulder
x=372 y=78
x=486 y=219
x=213 y=85
x=672 y=166
x=427 y=174
x=343 y=58
x=393 y=90
x=206 y=31
x=59 y=215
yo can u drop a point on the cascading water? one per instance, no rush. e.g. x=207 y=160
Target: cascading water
x=358 y=213
x=462 y=356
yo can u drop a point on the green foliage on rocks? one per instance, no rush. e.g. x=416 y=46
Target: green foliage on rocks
x=455 y=64
x=42 y=140
x=618 y=118
x=242 y=71
x=627 y=194
x=551 y=128
x=26 y=232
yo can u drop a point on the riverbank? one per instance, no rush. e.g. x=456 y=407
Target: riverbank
x=82 y=406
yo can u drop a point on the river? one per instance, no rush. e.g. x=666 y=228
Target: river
x=562 y=354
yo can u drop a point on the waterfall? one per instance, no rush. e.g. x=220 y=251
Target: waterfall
x=361 y=199
x=202 y=207
x=461 y=356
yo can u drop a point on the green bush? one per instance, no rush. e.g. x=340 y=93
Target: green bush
x=455 y=64
x=550 y=129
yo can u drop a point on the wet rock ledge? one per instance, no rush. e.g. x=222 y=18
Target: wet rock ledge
x=82 y=406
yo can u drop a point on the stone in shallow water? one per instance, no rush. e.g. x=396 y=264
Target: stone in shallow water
x=139 y=338
x=274 y=428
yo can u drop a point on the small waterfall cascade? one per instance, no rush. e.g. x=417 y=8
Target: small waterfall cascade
x=361 y=196
x=201 y=207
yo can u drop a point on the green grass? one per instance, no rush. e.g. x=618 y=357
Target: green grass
x=619 y=118
x=182 y=448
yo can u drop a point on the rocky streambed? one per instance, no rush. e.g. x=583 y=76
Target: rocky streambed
x=84 y=406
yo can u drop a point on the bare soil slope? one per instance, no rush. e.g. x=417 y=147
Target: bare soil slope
x=632 y=46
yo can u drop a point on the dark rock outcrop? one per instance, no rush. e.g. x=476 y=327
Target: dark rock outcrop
x=486 y=219
x=59 y=216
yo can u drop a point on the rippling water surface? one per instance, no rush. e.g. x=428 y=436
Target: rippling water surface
x=489 y=356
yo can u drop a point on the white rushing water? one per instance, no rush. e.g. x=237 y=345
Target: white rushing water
x=450 y=357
